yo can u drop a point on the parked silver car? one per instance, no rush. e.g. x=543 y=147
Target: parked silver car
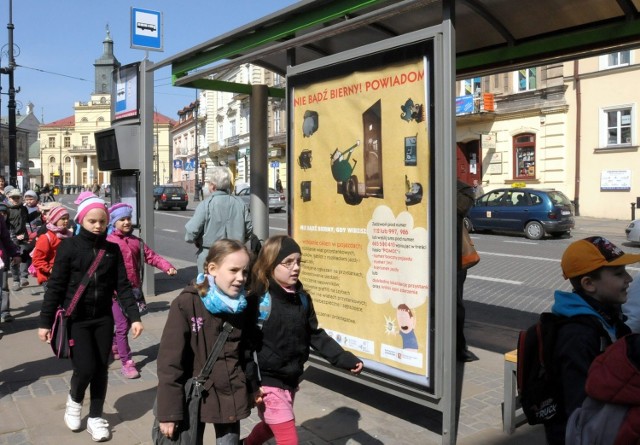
x=277 y=200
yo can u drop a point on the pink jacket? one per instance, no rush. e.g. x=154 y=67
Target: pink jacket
x=130 y=248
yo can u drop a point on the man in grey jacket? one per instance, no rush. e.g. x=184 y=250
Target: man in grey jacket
x=220 y=215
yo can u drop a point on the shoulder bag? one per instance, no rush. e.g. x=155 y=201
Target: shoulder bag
x=470 y=255
x=60 y=342
x=187 y=428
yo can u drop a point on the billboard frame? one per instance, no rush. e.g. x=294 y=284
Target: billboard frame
x=441 y=393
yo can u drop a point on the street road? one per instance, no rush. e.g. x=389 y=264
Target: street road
x=504 y=293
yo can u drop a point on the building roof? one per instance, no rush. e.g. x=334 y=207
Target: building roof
x=158 y=118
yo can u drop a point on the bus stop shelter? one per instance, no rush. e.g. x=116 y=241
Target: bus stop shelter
x=470 y=38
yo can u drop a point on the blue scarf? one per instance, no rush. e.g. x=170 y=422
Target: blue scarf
x=217 y=302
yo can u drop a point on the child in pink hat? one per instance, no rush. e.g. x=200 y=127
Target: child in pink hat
x=44 y=253
x=132 y=247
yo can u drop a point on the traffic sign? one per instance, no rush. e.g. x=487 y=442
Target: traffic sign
x=188 y=167
x=275 y=164
x=177 y=163
x=146 y=29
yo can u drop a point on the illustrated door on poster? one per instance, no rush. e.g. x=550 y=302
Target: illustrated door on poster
x=372 y=131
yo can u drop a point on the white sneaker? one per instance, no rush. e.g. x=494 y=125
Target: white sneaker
x=98 y=428
x=72 y=414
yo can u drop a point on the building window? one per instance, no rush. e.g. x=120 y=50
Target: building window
x=524 y=156
x=615 y=60
x=52 y=142
x=617 y=126
x=526 y=79
x=85 y=141
x=67 y=142
x=220 y=132
x=276 y=122
x=469 y=87
x=232 y=125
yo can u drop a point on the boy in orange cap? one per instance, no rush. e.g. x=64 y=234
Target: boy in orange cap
x=596 y=269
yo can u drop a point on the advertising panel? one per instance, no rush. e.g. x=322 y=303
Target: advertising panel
x=360 y=144
x=125 y=97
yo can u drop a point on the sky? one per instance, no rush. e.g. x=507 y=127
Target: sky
x=59 y=41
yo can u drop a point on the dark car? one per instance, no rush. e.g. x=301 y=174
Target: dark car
x=532 y=211
x=167 y=196
x=277 y=200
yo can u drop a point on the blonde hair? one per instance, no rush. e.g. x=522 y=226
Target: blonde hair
x=265 y=264
x=217 y=253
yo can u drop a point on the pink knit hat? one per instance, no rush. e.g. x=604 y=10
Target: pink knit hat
x=56 y=213
x=92 y=202
x=84 y=195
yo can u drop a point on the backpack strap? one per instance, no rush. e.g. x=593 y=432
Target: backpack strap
x=265 y=304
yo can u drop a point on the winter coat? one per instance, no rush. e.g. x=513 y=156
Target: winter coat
x=7 y=246
x=130 y=248
x=189 y=335
x=577 y=345
x=611 y=413
x=73 y=259
x=219 y=216
x=44 y=254
x=287 y=336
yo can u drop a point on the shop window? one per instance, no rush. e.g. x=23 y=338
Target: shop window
x=617 y=126
x=524 y=156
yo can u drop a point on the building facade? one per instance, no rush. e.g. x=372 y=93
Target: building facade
x=68 y=155
x=222 y=135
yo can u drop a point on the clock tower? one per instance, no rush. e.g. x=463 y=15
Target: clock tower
x=104 y=67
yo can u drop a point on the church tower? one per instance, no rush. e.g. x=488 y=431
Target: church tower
x=104 y=67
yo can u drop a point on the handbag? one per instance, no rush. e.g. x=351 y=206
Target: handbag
x=469 y=257
x=187 y=429
x=60 y=342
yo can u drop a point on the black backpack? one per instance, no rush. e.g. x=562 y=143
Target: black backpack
x=540 y=390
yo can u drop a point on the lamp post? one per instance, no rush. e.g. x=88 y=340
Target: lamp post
x=196 y=196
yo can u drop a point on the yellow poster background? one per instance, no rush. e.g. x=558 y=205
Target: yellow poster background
x=360 y=157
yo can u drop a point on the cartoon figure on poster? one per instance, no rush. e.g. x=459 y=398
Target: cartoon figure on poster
x=407 y=323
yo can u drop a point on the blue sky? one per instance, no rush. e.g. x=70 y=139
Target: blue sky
x=60 y=40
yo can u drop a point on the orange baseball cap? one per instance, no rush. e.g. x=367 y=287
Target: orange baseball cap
x=589 y=254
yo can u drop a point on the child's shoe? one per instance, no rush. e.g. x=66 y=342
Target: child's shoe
x=72 y=414
x=98 y=428
x=129 y=370
x=114 y=350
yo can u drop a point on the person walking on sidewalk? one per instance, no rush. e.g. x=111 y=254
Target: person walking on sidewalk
x=194 y=323
x=91 y=324
x=19 y=218
x=46 y=245
x=221 y=215
x=132 y=248
x=288 y=332
x=10 y=255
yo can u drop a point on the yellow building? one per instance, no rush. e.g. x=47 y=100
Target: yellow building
x=67 y=146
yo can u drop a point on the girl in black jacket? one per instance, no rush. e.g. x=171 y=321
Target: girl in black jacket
x=91 y=324
x=288 y=332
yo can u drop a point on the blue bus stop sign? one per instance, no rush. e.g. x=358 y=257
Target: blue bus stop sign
x=146 y=29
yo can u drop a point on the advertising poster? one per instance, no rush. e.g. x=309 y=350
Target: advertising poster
x=361 y=157
x=126 y=92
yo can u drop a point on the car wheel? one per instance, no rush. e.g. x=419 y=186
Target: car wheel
x=183 y=208
x=467 y=224
x=277 y=210
x=534 y=230
x=560 y=234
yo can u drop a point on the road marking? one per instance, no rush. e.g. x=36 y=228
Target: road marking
x=279 y=229
x=497 y=280
x=520 y=256
x=170 y=230
x=521 y=242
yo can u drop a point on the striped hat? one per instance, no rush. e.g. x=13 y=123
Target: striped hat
x=56 y=213
x=92 y=202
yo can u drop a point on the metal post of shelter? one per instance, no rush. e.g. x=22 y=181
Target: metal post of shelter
x=445 y=198
x=145 y=148
x=259 y=161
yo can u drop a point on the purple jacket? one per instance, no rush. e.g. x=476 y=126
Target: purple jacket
x=130 y=248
